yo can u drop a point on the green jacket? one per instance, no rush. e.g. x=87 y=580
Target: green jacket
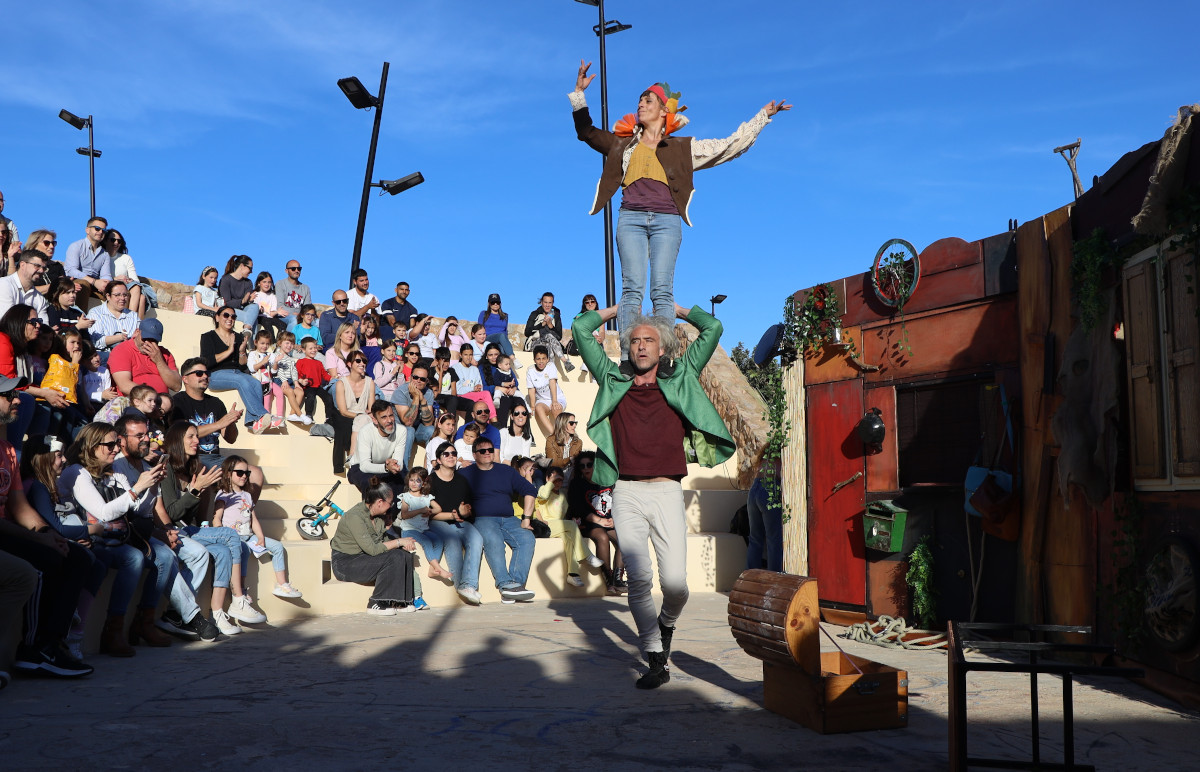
x=705 y=434
x=359 y=533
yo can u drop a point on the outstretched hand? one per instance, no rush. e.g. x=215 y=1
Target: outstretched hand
x=773 y=107
x=583 y=80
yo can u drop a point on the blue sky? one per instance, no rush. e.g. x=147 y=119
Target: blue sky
x=223 y=132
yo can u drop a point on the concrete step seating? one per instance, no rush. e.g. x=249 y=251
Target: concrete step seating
x=298 y=471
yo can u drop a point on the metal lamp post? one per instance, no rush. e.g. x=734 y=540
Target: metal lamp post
x=602 y=30
x=716 y=300
x=90 y=151
x=362 y=99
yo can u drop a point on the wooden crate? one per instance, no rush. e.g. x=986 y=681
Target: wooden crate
x=776 y=618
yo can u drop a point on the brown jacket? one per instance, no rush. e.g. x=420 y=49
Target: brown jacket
x=554 y=452
x=674 y=153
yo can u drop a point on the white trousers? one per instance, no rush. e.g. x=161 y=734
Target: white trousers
x=652 y=512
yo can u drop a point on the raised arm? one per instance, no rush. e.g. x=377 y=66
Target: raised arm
x=707 y=153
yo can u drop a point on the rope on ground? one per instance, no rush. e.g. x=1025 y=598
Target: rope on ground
x=893 y=633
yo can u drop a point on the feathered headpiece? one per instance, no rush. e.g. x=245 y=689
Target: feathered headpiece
x=675 y=120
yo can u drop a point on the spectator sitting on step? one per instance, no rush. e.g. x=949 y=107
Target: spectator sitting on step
x=124 y=271
x=337 y=353
x=210 y=417
x=86 y=262
x=447 y=425
x=562 y=446
x=417 y=507
x=362 y=302
x=306 y=326
x=143 y=360
x=412 y=356
x=114 y=322
x=21 y=285
x=505 y=396
x=332 y=320
x=545 y=395
x=311 y=376
x=46 y=242
x=462 y=545
x=291 y=293
x=64 y=314
x=97 y=383
x=470 y=381
x=493 y=487
x=421 y=334
x=269 y=312
x=495 y=322
x=516 y=439
x=451 y=336
x=225 y=354
x=205 y=295
x=380 y=451
x=387 y=372
x=369 y=340
x=480 y=415
x=361 y=553
x=463 y=445
x=354 y=396
x=397 y=312
x=234 y=507
x=19 y=328
x=237 y=291
x=287 y=377
x=487 y=366
x=263 y=365
x=414 y=408
x=444 y=380
x=544 y=328
x=590 y=505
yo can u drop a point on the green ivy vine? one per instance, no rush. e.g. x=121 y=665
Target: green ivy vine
x=920 y=579
x=1090 y=260
x=1126 y=594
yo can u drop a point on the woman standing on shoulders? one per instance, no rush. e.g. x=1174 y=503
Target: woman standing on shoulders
x=654 y=171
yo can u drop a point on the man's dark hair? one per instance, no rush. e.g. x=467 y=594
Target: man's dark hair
x=465 y=348
x=401 y=284
x=124 y=421
x=188 y=364
x=481 y=440
x=98 y=218
x=380 y=407
x=358 y=272
x=26 y=255
x=443 y=353
x=541 y=350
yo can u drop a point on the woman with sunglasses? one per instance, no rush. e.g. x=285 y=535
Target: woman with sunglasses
x=517 y=439
x=495 y=324
x=226 y=353
x=354 y=395
x=462 y=544
x=589 y=304
x=124 y=271
x=590 y=505
x=126 y=513
x=19 y=328
x=237 y=291
x=46 y=242
x=562 y=446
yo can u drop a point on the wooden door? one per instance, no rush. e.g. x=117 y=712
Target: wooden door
x=1183 y=381
x=1142 y=360
x=837 y=553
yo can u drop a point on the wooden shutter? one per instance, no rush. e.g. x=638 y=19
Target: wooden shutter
x=1182 y=342
x=1142 y=358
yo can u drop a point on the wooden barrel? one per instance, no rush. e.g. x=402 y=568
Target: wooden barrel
x=775 y=617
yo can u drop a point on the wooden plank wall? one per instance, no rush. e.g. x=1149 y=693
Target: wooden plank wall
x=1056 y=575
x=795 y=475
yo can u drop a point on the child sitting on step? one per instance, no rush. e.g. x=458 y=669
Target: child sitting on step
x=416 y=506
x=235 y=509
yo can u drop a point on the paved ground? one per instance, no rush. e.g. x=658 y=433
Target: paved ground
x=545 y=686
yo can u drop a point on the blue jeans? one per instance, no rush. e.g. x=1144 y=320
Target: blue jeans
x=167 y=581
x=193 y=562
x=501 y=340
x=766 y=529
x=278 y=554
x=429 y=541
x=414 y=435
x=498 y=531
x=224 y=546
x=648 y=245
x=15 y=432
x=128 y=562
x=247 y=387
x=249 y=316
x=463 y=548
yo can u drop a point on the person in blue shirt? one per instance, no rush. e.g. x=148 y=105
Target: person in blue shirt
x=397 y=311
x=493 y=487
x=487 y=431
x=87 y=262
x=335 y=317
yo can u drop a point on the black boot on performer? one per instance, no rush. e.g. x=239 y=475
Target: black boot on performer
x=659 y=673
x=666 y=633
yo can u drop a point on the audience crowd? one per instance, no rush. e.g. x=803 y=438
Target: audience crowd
x=112 y=460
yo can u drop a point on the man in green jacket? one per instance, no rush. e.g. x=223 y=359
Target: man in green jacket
x=648 y=419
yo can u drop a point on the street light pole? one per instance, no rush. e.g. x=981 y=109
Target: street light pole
x=366 y=194
x=90 y=151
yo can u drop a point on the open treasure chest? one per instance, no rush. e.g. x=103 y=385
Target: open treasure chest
x=776 y=618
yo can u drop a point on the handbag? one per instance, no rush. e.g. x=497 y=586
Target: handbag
x=540 y=529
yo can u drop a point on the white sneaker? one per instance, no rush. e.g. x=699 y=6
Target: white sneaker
x=307 y=420
x=470 y=595
x=409 y=609
x=594 y=561
x=225 y=624
x=375 y=609
x=241 y=610
x=574 y=580
x=517 y=364
x=286 y=590
x=295 y=418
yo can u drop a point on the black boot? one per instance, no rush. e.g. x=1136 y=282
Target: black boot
x=659 y=673
x=666 y=633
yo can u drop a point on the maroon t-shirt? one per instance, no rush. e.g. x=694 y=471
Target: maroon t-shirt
x=647 y=195
x=648 y=435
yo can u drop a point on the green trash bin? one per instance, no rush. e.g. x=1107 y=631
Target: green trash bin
x=883 y=526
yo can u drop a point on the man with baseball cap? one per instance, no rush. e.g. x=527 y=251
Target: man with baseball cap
x=143 y=360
